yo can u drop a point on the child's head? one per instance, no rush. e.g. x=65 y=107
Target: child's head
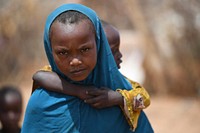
x=77 y=47
x=10 y=107
x=72 y=37
x=113 y=37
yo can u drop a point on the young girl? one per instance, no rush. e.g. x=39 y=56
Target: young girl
x=78 y=51
x=96 y=97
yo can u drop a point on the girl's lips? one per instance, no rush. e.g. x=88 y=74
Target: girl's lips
x=77 y=71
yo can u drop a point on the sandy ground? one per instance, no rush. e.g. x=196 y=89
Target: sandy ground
x=174 y=115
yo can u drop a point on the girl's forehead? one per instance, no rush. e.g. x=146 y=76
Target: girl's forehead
x=59 y=29
x=71 y=36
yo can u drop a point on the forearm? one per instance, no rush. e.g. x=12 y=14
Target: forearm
x=53 y=82
x=117 y=99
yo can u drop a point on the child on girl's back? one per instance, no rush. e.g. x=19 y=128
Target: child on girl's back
x=113 y=37
x=90 y=94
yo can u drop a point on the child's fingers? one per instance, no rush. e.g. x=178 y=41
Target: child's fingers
x=92 y=100
x=94 y=92
x=95 y=102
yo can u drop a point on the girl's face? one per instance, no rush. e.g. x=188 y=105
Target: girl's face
x=74 y=48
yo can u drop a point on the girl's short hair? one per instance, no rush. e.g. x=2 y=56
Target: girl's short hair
x=72 y=17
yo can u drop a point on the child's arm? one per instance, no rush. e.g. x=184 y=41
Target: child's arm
x=52 y=82
x=98 y=98
x=138 y=97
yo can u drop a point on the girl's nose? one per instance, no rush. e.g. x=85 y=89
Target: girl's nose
x=75 y=61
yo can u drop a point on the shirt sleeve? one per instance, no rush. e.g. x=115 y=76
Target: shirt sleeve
x=135 y=100
x=46 y=68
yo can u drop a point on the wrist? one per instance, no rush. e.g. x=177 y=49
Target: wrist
x=119 y=100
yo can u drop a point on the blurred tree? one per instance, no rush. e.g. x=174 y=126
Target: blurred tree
x=18 y=29
x=175 y=68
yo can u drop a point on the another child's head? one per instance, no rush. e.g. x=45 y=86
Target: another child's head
x=113 y=37
x=73 y=42
x=10 y=108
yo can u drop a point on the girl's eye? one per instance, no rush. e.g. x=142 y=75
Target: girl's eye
x=62 y=53
x=84 y=50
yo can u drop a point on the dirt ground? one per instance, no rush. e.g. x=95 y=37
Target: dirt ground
x=174 y=115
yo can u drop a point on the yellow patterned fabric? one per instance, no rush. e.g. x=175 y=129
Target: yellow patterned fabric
x=46 y=68
x=35 y=85
x=134 y=101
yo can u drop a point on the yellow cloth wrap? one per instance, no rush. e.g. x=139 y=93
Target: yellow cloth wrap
x=46 y=68
x=138 y=89
x=131 y=111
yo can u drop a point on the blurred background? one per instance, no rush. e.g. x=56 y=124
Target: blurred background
x=160 y=43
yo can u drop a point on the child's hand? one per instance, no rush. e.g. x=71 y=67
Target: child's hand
x=82 y=92
x=104 y=97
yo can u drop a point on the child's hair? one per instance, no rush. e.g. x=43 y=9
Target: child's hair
x=72 y=17
x=104 y=23
x=9 y=90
